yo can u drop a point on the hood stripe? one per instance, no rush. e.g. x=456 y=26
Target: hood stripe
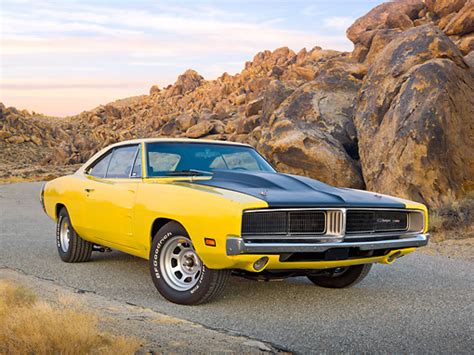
x=283 y=190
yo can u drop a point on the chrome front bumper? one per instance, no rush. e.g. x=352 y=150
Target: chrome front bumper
x=237 y=245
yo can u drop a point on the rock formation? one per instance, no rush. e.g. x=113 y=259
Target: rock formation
x=373 y=31
x=395 y=115
x=312 y=131
x=415 y=118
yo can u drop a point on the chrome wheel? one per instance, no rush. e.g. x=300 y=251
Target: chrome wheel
x=64 y=235
x=180 y=265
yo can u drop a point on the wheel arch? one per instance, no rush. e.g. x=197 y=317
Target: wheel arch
x=158 y=223
x=58 y=208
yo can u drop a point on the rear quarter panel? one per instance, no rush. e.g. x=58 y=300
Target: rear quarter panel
x=66 y=191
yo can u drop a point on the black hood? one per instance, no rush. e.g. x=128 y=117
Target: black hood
x=285 y=190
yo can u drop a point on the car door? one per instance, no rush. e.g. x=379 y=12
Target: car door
x=110 y=197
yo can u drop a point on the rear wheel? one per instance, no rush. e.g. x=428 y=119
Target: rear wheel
x=342 y=276
x=71 y=247
x=177 y=271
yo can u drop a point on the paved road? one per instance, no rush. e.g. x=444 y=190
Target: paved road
x=420 y=304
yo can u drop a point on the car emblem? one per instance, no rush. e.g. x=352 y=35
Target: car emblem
x=264 y=192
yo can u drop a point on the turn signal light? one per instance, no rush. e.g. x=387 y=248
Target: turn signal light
x=210 y=242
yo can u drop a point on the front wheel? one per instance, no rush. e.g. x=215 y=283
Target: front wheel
x=342 y=276
x=177 y=271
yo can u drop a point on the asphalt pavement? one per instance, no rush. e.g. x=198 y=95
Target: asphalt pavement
x=419 y=304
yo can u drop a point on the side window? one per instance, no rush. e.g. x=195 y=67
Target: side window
x=240 y=160
x=99 y=169
x=158 y=161
x=137 y=165
x=121 y=162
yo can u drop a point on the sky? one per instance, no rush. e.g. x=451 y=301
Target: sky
x=61 y=57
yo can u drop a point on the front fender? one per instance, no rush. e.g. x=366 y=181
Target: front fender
x=205 y=212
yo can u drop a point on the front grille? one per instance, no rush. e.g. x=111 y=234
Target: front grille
x=265 y=223
x=330 y=224
x=376 y=221
x=283 y=222
x=306 y=222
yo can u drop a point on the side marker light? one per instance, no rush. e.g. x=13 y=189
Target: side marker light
x=210 y=242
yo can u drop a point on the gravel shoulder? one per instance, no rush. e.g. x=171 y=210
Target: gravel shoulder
x=460 y=249
x=421 y=304
x=158 y=332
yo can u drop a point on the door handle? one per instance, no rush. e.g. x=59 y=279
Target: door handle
x=88 y=190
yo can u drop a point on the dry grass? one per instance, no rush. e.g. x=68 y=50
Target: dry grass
x=453 y=221
x=30 y=326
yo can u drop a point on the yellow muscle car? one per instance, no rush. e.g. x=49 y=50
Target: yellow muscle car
x=200 y=210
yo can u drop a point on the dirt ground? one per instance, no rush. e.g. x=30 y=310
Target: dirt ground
x=451 y=248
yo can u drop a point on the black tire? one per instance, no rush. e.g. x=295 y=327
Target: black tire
x=77 y=249
x=207 y=284
x=342 y=277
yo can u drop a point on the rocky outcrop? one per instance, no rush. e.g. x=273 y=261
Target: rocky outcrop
x=187 y=82
x=373 y=31
x=395 y=115
x=443 y=8
x=455 y=17
x=396 y=16
x=415 y=119
x=312 y=132
x=27 y=137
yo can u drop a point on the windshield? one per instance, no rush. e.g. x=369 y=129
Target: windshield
x=165 y=159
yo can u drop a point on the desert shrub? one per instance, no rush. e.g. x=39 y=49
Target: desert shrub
x=29 y=326
x=454 y=220
x=456 y=214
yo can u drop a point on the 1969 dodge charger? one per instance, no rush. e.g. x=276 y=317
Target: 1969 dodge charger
x=200 y=210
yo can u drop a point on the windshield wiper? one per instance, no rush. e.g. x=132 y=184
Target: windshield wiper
x=187 y=172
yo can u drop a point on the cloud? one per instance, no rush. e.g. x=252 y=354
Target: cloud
x=338 y=22
x=144 y=32
x=312 y=10
x=60 y=48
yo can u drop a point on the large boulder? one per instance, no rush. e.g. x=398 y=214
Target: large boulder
x=444 y=7
x=461 y=22
x=414 y=119
x=312 y=132
x=373 y=31
x=187 y=82
x=398 y=15
x=276 y=92
x=200 y=129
